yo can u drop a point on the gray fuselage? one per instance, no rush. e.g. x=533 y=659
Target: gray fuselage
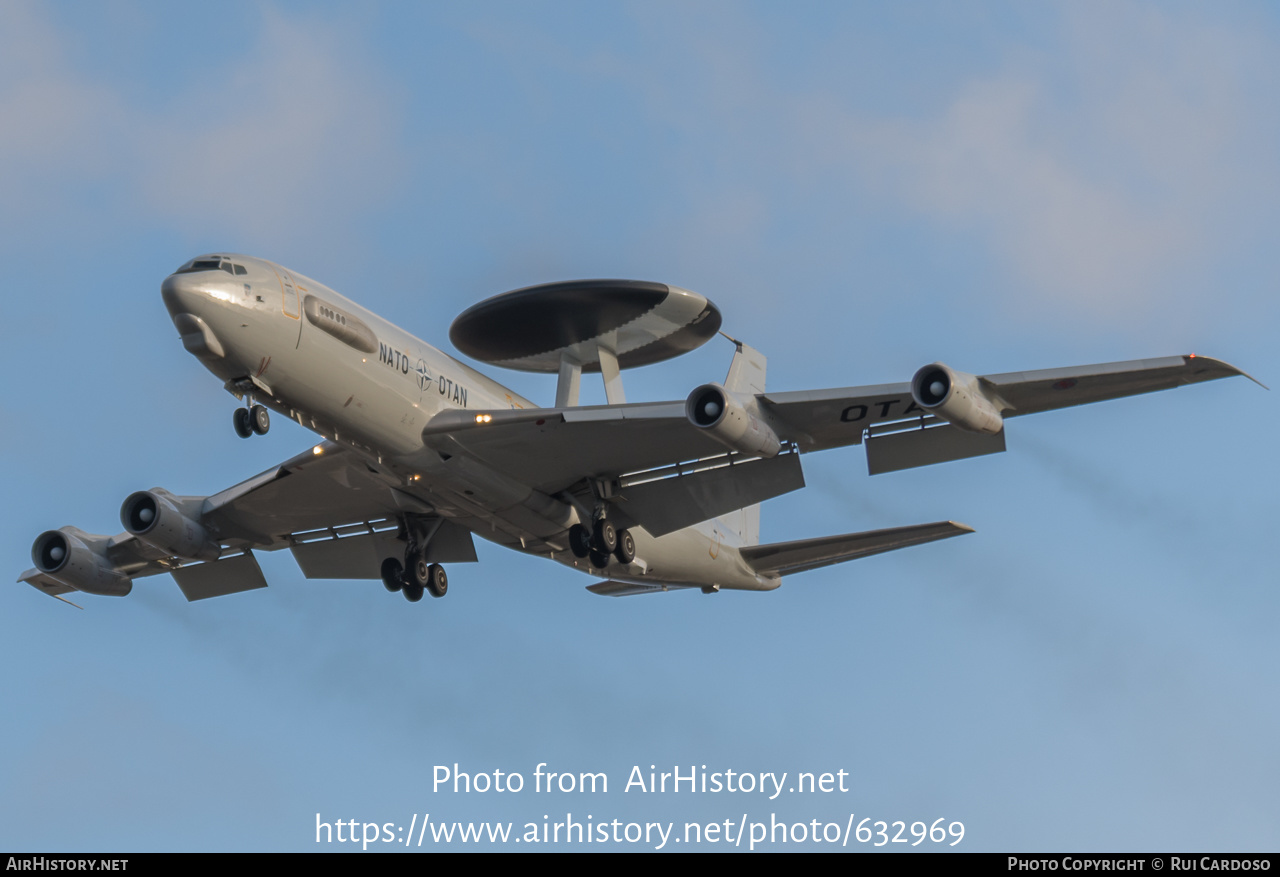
x=316 y=357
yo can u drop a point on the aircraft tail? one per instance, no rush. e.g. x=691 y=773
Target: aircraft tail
x=785 y=558
x=746 y=375
x=744 y=523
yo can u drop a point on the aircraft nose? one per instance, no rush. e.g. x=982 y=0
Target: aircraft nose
x=194 y=303
x=205 y=293
x=181 y=293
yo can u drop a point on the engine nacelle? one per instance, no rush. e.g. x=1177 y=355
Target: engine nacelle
x=155 y=517
x=65 y=556
x=956 y=397
x=735 y=425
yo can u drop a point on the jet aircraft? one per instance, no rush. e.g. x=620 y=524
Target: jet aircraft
x=420 y=452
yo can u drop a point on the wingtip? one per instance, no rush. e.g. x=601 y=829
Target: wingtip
x=1227 y=366
x=1250 y=377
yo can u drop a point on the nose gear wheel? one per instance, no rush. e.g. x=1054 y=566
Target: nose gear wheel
x=259 y=419
x=248 y=421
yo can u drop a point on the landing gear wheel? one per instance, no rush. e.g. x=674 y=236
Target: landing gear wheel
x=598 y=560
x=437 y=581
x=579 y=540
x=626 y=550
x=259 y=419
x=419 y=573
x=240 y=420
x=392 y=574
x=412 y=592
x=606 y=537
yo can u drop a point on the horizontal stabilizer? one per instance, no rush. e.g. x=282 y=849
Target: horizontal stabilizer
x=784 y=558
x=909 y=448
x=630 y=589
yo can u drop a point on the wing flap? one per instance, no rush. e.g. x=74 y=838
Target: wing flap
x=231 y=575
x=351 y=557
x=785 y=558
x=360 y=556
x=908 y=448
x=669 y=504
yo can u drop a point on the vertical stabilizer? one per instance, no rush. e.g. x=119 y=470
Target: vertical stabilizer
x=745 y=523
x=746 y=376
x=746 y=372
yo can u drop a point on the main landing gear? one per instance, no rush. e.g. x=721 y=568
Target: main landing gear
x=420 y=577
x=417 y=575
x=601 y=542
x=254 y=419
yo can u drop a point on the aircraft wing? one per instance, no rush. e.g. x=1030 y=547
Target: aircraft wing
x=335 y=511
x=553 y=448
x=310 y=492
x=821 y=419
x=1034 y=391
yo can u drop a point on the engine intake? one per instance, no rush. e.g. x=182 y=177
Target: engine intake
x=158 y=519
x=65 y=556
x=956 y=397
x=735 y=425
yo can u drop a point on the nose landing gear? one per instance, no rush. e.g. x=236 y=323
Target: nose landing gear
x=247 y=421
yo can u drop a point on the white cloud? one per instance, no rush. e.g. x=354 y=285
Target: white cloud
x=52 y=117
x=293 y=130
x=294 y=134
x=1100 y=176
x=1062 y=231
x=1108 y=158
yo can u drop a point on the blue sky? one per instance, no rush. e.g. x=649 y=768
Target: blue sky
x=862 y=189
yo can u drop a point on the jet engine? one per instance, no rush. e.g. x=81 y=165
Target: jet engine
x=956 y=397
x=65 y=556
x=735 y=425
x=158 y=518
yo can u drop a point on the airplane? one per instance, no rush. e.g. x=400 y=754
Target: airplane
x=420 y=452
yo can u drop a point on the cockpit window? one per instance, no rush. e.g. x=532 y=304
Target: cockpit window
x=198 y=265
x=211 y=265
